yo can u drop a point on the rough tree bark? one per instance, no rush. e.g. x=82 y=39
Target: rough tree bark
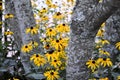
x=23 y=18
x=112 y=33
x=86 y=20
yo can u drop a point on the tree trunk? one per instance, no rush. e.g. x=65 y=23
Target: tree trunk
x=87 y=17
x=23 y=18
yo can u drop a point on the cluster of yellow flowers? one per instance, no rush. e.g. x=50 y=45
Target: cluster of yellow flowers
x=102 y=60
x=52 y=24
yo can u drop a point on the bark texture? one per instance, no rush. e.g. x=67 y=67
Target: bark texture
x=112 y=34
x=86 y=20
x=23 y=18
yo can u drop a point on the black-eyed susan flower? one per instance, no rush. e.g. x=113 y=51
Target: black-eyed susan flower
x=51 y=75
x=104 y=52
x=50 y=55
x=32 y=30
x=63 y=28
x=45 y=39
x=92 y=64
x=48 y=2
x=50 y=32
x=64 y=41
x=103 y=42
x=52 y=6
x=8 y=16
x=61 y=53
x=104 y=62
x=34 y=44
x=8 y=33
x=55 y=63
x=100 y=33
x=57 y=44
x=92 y=79
x=103 y=24
x=38 y=59
x=117 y=45
x=43 y=10
x=14 y=78
x=47 y=46
x=44 y=18
x=104 y=78
x=26 y=48
x=0 y=5
x=118 y=77
x=58 y=16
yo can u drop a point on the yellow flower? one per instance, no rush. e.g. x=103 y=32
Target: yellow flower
x=38 y=59
x=104 y=62
x=8 y=33
x=118 y=45
x=55 y=63
x=51 y=55
x=103 y=42
x=92 y=79
x=34 y=44
x=45 y=39
x=48 y=2
x=118 y=77
x=100 y=33
x=52 y=6
x=26 y=48
x=52 y=75
x=60 y=53
x=63 y=28
x=103 y=24
x=0 y=6
x=100 y=1
x=8 y=16
x=104 y=78
x=58 y=15
x=50 y=32
x=92 y=64
x=32 y=30
x=14 y=79
x=104 y=52
x=44 y=18
x=47 y=46
x=44 y=10
x=57 y=44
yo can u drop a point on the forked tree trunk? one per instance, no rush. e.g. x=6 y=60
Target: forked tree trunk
x=86 y=20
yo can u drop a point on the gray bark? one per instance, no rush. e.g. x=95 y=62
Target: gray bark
x=86 y=20
x=23 y=18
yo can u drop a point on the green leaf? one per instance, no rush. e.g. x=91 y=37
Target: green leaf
x=36 y=76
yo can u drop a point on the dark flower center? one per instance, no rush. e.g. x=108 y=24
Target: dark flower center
x=37 y=55
x=8 y=14
x=93 y=62
x=26 y=46
x=44 y=38
x=51 y=51
x=58 y=13
x=55 y=60
x=48 y=45
x=32 y=42
x=58 y=50
x=52 y=73
x=57 y=41
x=63 y=24
x=50 y=30
x=31 y=27
x=43 y=8
x=104 y=59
